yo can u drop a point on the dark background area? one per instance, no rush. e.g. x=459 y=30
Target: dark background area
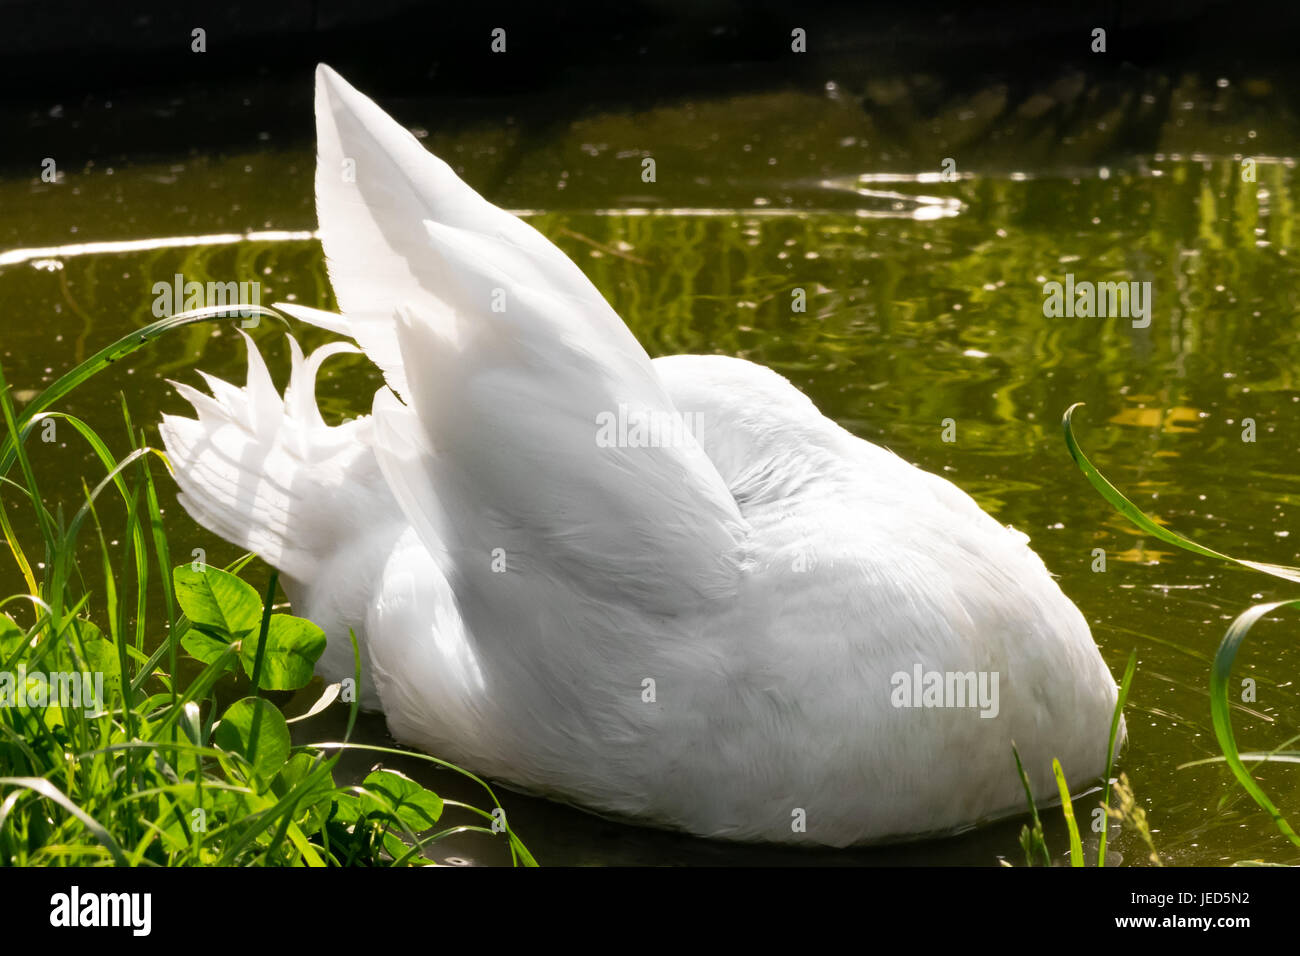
x=71 y=55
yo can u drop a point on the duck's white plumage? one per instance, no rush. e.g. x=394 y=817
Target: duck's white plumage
x=516 y=583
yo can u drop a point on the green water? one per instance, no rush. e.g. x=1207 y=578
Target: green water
x=925 y=303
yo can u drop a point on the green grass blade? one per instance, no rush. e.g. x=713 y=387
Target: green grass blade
x=1148 y=524
x=1120 y=700
x=263 y=628
x=106 y=356
x=1220 y=709
x=1037 y=832
x=16 y=549
x=162 y=554
x=1067 y=808
x=13 y=445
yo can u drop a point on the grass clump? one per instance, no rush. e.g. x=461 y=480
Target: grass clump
x=117 y=743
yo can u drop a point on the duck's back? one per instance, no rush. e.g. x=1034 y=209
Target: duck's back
x=864 y=576
x=776 y=712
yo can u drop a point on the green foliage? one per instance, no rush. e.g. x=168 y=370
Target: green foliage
x=146 y=766
x=224 y=611
x=255 y=729
x=217 y=601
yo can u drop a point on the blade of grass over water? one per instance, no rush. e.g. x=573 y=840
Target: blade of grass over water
x=12 y=448
x=1120 y=700
x=15 y=548
x=1221 y=667
x=1148 y=524
x=1221 y=709
x=106 y=356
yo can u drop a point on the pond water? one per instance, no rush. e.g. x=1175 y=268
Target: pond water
x=925 y=302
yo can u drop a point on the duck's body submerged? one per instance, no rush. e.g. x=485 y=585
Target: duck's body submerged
x=671 y=591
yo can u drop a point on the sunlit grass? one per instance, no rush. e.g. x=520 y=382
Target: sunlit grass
x=158 y=770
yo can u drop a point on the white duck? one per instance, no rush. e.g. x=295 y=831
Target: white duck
x=705 y=635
